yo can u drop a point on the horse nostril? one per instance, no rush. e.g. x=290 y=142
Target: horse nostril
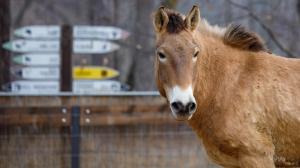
x=178 y=106
x=191 y=106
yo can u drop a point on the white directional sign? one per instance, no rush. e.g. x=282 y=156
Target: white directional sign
x=99 y=32
x=32 y=59
x=53 y=86
x=32 y=46
x=37 y=73
x=50 y=46
x=94 y=46
x=34 y=87
x=95 y=86
x=49 y=32
x=53 y=32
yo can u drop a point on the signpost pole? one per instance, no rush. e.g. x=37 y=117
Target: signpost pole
x=66 y=50
x=75 y=137
x=4 y=37
x=66 y=80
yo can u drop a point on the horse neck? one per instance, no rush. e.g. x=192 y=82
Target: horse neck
x=216 y=63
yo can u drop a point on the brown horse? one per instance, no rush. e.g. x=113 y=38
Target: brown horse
x=242 y=101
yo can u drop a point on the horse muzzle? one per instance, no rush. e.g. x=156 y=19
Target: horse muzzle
x=182 y=111
x=182 y=103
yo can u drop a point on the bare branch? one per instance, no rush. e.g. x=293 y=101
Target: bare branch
x=49 y=7
x=21 y=13
x=265 y=27
x=170 y=3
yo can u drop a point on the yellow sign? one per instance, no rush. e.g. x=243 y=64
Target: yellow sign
x=96 y=72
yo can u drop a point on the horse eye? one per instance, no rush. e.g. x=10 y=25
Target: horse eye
x=196 y=54
x=161 y=55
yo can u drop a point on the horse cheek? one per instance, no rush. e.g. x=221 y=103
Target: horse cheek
x=159 y=84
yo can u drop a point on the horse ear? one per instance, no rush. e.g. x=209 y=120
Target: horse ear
x=193 y=18
x=160 y=20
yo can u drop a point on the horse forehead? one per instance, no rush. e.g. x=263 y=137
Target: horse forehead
x=177 y=48
x=180 y=40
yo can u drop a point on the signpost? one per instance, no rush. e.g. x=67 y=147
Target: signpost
x=46 y=53
x=54 y=32
x=53 y=46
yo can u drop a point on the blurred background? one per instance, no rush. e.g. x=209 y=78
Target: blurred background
x=276 y=21
x=126 y=131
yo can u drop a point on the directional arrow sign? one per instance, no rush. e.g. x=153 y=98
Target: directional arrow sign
x=78 y=72
x=94 y=46
x=32 y=59
x=23 y=86
x=91 y=72
x=37 y=73
x=52 y=86
x=49 y=32
x=100 y=32
x=32 y=46
x=53 y=32
x=79 y=46
x=95 y=86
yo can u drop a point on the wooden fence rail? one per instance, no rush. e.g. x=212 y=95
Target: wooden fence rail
x=107 y=109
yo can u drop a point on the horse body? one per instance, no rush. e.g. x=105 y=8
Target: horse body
x=248 y=100
x=252 y=107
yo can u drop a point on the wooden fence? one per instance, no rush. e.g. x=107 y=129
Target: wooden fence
x=128 y=129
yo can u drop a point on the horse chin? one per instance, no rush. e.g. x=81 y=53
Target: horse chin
x=181 y=117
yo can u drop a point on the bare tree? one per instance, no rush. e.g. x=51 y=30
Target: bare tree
x=298 y=7
x=264 y=26
x=21 y=13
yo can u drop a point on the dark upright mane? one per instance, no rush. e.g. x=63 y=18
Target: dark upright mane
x=176 y=22
x=237 y=36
